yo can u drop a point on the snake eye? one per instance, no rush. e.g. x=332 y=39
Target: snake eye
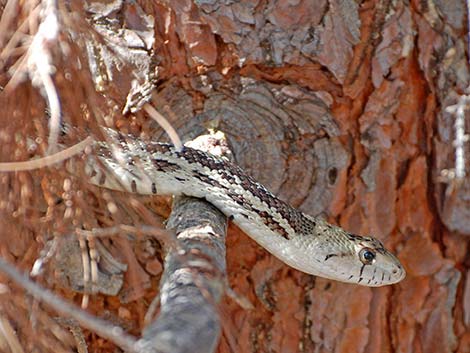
x=367 y=256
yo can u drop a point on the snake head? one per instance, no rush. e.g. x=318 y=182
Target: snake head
x=376 y=265
x=331 y=252
x=361 y=260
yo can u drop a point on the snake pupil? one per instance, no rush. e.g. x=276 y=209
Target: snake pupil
x=367 y=255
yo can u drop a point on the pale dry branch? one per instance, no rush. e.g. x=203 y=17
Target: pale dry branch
x=48 y=160
x=459 y=143
x=14 y=40
x=8 y=16
x=37 y=62
x=86 y=270
x=46 y=254
x=164 y=123
x=458 y=110
x=41 y=68
x=8 y=334
x=152 y=309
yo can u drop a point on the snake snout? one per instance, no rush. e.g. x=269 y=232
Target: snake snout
x=389 y=270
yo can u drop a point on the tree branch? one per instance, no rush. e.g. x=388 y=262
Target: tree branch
x=194 y=279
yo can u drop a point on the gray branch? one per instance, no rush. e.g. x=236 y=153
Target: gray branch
x=194 y=278
x=192 y=284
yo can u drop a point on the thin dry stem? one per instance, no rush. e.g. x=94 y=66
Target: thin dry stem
x=37 y=61
x=102 y=328
x=165 y=124
x=77 y=334
x=86 y=270
x=9 y=48
x=461 y=137
x=48 y=160
x=165 y=235
x=46 y=255
x=9 y=335
x=7 y=17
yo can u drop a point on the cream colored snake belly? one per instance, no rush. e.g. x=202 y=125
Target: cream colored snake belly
x=306 y=243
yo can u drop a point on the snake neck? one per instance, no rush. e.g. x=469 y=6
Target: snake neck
x=158 y=168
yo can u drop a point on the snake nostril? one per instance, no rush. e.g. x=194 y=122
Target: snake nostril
x=395 y=271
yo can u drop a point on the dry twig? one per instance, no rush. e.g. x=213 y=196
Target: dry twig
x=48 y=160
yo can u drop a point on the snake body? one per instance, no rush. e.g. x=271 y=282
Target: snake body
x=304 y=242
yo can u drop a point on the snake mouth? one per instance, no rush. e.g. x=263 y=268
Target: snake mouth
x=382 y=273
x=376 y=277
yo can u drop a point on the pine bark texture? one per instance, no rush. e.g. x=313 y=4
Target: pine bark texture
x=338 y=106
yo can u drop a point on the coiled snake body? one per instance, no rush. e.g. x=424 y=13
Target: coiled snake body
x=306 y=243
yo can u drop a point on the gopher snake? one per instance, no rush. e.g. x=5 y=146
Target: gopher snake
x=306 y=243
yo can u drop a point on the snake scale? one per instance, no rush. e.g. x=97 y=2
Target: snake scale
x=304 y=242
